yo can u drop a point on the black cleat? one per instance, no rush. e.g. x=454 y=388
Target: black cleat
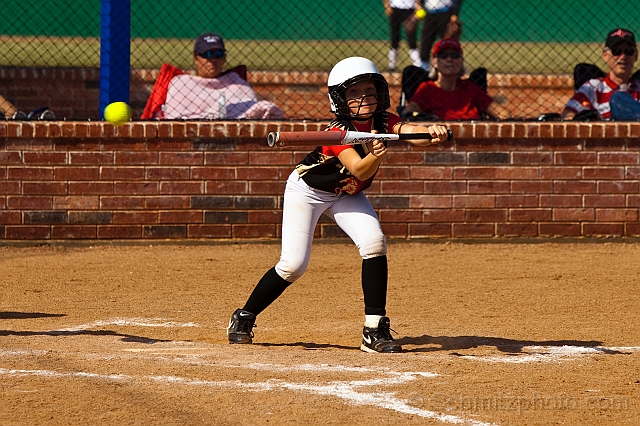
x=379 y=339
x=240 y=329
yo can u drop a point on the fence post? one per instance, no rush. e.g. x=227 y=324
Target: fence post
x=115 y=52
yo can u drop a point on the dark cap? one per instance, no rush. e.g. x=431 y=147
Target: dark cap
x=208 y=41
x=619 y=35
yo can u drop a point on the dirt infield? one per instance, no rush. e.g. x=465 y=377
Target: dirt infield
x=505 y=334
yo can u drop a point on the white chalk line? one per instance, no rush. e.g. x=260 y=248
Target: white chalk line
x=58 y=374
x=22 y=352
x=553 y=353
x=196 y=355
x=129 y=322
x=526 y=354
x=349 y=391
x=344 y=390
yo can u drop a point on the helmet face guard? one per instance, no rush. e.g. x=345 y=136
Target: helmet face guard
x=350 y=71
x=339 y=100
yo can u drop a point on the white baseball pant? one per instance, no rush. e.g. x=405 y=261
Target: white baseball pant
x=303 y=207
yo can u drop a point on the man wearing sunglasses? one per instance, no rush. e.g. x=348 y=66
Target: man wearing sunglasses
x=615 y=96
x=448 y=96
x=209 y=55
x=213 y=93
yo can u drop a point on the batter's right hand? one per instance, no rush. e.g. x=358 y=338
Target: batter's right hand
x=377 y=148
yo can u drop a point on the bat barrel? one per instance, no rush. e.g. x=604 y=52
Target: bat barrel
x=308 y=138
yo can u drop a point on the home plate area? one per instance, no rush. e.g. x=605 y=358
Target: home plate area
x=281 y=384
x=493 y=333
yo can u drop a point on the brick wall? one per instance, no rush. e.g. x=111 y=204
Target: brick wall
x=220 y=180
x=74 y=93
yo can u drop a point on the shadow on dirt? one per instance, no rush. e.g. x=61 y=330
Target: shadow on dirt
x=28 y=315
x=66 y=333
x=453 y=343
x=55 y=333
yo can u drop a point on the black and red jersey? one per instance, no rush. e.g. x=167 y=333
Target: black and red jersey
x=321 y=169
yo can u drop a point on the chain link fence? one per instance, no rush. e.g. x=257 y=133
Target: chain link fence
x=50 y=51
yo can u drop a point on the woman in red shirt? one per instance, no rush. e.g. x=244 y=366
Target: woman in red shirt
x=449 y=97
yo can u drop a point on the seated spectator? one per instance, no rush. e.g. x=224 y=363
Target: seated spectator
x=449 y=97
x=211 y=94
x=616 y=95
x=7 y=108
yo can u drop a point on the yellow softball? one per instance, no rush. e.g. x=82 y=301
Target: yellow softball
x=421 y=13
x=117 y=113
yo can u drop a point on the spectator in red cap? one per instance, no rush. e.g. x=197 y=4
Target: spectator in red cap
x=448 y=96
x=615 y=96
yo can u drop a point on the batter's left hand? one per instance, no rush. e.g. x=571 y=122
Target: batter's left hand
x=438 y=133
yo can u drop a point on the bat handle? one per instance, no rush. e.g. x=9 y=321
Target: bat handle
x=406 y=136
x=428 y=136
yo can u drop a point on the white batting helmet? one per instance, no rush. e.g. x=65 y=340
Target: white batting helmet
x=350 y=71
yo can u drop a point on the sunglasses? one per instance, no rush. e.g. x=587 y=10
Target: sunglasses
x=216 y=54
x=445 y=55
x=629 y=51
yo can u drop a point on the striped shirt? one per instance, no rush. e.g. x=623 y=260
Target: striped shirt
x=595 y=95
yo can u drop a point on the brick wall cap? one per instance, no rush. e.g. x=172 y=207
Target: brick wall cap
x=260 y=129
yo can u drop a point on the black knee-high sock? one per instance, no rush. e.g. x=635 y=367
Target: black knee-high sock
x=266 y=292
x=374 y=285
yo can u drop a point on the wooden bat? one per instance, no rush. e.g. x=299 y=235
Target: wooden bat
x=347 y=137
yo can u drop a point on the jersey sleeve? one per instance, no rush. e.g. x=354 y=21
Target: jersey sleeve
x=334 y=150
x=393 y=119
x=581 y=100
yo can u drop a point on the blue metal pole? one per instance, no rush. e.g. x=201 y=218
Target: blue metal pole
x=115 y=52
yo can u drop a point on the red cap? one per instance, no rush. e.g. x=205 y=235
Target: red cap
x=446 y=43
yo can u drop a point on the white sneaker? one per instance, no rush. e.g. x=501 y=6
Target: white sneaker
x=414 y=54
x=392 y=56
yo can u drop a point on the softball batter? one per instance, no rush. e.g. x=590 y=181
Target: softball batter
x=330 y=180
